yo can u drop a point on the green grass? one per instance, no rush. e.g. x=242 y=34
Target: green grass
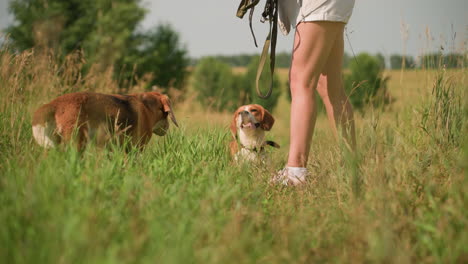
x=402 y=199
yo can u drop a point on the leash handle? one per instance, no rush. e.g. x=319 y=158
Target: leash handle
x=260 y=70
x=270 y=13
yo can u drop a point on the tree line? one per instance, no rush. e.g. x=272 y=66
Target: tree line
x=394 y=61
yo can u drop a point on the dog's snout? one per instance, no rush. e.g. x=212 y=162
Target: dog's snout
x=245 y=112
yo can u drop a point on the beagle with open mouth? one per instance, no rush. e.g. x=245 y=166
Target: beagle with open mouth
x=102 y=117
x=248 y=128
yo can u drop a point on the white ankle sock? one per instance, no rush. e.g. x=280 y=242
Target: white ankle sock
x=297 y=171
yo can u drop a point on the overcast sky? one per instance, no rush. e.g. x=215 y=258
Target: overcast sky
x=210 y=27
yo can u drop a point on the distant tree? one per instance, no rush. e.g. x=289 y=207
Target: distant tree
x=283 y=60
x=381 y=60
x=159 y=52
x=216 y=86
x=249 y=85
x=455 y=60
x=438 y=60
x=102 y=28
x=219 y=89
x=346 y=59
x=379 y=56
x=240 y=60
x=106 y=32
x=365 y=83
x=396 y=62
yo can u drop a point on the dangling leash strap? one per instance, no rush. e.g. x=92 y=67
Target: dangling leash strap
x=270 y=13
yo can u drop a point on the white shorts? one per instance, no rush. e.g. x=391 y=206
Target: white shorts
x=325 y=10
x=292 y=12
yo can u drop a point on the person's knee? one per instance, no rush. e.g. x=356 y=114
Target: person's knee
x=301 y=84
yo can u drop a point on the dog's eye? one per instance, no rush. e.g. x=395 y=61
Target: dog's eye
x=253 y=110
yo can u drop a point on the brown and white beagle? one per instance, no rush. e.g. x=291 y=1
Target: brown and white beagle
x=102 y=117
x=248 y=128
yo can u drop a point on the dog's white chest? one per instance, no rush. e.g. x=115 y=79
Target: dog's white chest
x=252 y=145
x=249 y=155
x=252 y=139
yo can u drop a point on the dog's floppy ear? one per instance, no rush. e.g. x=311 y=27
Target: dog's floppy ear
x=268 y=120
x=168 y=109
x=233 y=126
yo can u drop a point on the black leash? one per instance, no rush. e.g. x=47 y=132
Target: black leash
x=250 y=24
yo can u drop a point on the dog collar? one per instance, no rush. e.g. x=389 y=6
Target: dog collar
x=253 y=149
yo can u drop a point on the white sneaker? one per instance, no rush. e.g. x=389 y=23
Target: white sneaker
x=290 y=176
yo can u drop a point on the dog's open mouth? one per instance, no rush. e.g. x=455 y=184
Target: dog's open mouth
x=250 y=125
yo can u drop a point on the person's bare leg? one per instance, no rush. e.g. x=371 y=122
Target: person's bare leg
x=331 y=90
x=312 y=45
x=322 y=87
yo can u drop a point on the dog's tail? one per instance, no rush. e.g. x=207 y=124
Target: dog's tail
x=272 y=143
x=44 y=127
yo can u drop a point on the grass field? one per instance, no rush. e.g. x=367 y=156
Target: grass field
x=402 y=199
